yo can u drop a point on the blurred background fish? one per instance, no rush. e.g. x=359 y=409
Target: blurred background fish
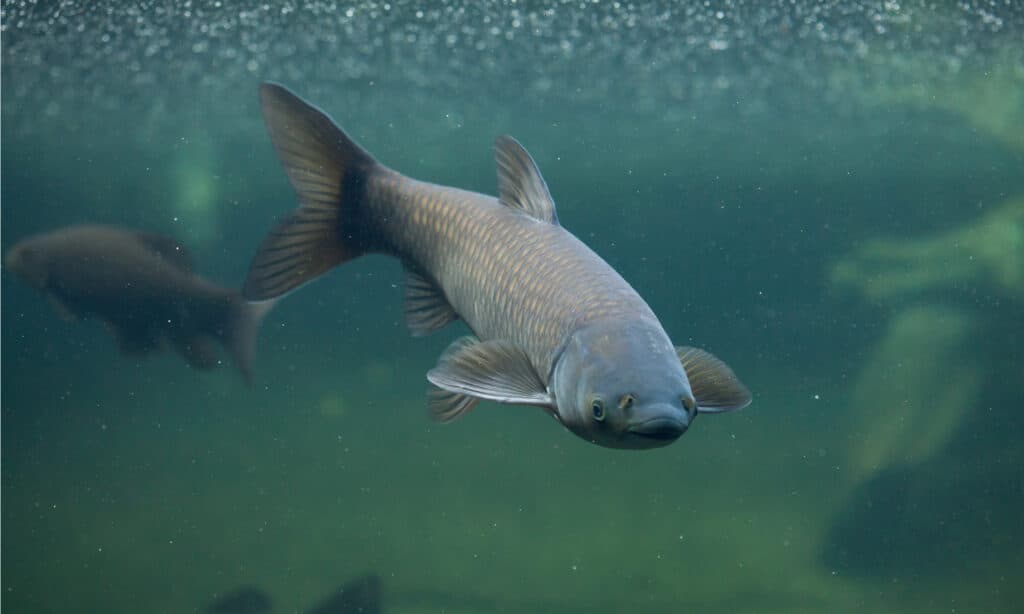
x=360 y=595
x=143 y=288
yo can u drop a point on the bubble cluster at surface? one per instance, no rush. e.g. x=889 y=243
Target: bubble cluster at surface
x=648 y=56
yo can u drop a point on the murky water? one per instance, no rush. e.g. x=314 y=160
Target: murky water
x=829 y=196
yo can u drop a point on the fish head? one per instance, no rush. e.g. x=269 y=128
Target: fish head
x=28 y=260
x=621 y=385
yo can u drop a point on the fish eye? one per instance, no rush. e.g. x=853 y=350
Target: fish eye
x=626 y=401
x=597 y=409
x=690 y=405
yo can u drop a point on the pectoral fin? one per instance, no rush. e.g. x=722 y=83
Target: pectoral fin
x=714 y=385
x=494 y=370
x=448 y=406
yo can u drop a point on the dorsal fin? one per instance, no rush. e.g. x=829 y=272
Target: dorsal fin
x=520 y=184
x=169 y=249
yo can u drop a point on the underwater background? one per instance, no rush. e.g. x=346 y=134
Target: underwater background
x=827 y=195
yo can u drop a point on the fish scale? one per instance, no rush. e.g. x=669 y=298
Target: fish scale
x=508 y=275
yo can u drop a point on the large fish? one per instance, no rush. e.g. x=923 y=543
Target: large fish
x=142 y=286
x=555 y=326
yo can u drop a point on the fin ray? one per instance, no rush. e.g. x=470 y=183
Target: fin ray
x=328 y=172
x=714 y=385
x=425 y=306
x=446 y=406
x=520 y=184
x=494 y=370
x=241 y=331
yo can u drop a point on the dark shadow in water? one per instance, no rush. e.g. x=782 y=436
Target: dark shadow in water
x=932 y=520
x=361 y=595
x=957 y=513
x=450 y=601
x=244 y=600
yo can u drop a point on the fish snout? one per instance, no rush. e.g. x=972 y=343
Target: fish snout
x=25 y=263
x=662 y=423
x=13 y=260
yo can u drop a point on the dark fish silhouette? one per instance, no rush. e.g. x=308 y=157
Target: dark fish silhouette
x=142 y=286
x=361 y=595
x=244 y=600
x=555 y=326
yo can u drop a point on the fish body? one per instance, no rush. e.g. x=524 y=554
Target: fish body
x=554 y=325
x=142 y=286
x=507 y=274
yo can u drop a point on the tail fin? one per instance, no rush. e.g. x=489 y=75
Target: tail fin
x=328 y=172
x=241 y=330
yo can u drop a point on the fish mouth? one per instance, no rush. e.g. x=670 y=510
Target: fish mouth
x=660 y=429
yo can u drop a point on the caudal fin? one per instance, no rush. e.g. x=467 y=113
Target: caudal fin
x=241 y=331
x=328 y=172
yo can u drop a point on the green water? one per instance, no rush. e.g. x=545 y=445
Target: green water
x=826 y=195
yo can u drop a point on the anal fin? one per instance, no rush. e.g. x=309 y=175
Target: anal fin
x=426 y=308
x=200 y=351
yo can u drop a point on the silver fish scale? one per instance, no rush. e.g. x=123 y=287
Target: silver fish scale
x=508 y=275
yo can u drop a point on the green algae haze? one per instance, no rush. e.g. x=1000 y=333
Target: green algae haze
x=826 y=195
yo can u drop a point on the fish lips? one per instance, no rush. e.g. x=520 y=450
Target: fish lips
x=662 y=428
